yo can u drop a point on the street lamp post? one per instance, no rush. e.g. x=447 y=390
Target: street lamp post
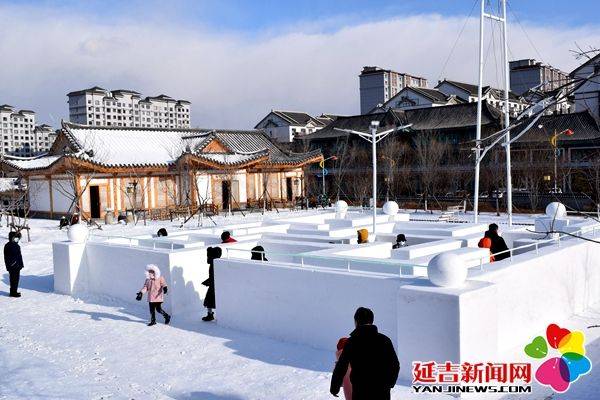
x=374 y=138
x=322 y=165
x=554 y=143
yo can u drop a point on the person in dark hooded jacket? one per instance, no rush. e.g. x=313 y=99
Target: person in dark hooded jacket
x=258 y=253
x=13 y=262
x=375 y=366
x=212 y=253
x=498 y=243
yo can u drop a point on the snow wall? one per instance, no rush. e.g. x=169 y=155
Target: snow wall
x=498 y=309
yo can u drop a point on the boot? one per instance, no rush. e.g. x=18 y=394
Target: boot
x=167 y=319
x=152 y=323
x=15 y=294
x=209 y=317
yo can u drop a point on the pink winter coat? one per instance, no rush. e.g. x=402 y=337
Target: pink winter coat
x=154 y=287
x=347 y=385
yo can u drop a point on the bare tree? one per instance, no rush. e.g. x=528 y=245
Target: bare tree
x=430 y=152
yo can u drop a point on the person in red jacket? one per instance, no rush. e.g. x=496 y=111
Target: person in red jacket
x=226 y=238
x=347 y=385
x=486 y=242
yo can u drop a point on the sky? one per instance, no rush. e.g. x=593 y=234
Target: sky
x=236 y=60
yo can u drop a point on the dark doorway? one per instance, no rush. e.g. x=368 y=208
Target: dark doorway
x=95 y=201
x=289 y=190
x=226 y=194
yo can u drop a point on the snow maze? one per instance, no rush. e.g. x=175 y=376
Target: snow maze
x=317 y=275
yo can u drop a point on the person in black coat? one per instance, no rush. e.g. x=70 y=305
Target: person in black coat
x=498 y=243
x=258 y=253
x=13 y=262
x=212 y=253
x=373 y=361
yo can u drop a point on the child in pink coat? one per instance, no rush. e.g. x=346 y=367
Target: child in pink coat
x=156 y=287
x=347 y=385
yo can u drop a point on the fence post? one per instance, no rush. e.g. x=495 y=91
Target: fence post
x=537 y=250
x=511 y=255
x=348 y=265
x=302 y=262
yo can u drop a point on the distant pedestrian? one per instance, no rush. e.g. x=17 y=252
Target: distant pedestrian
x=13 y=260
x=486 y=242
x=156 y=287
x=258 y=253
x=363 y=236
x=63 y=222
x=375 y=366
x=346 y=384
x=400 y=241
x=226 y=238
x=498 y=243
x=212 y=253
x=162 y=232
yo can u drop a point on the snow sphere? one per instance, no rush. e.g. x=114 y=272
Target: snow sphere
x=390 y=208
x=77 y=233
x=556 y=210
x=341 y=206
x=447 y=270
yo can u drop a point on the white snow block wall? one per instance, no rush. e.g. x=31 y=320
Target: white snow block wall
x=536 y=290
x=119 y=272
x=316 y=308
x=439 y=324
x=68 y=259
x=300 y=305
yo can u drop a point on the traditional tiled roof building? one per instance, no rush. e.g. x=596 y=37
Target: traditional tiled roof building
x=162 y=167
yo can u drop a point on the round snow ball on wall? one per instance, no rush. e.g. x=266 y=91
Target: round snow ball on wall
x=390 y=208
x=447 y=270
x=556 y=210
x=77 y=233
x=341 y=206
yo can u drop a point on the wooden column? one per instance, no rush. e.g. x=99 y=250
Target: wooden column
x=51 y=196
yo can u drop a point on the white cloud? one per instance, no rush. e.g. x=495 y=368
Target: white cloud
x=232 y=80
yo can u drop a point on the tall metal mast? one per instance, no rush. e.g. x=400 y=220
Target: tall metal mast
x=478 y=127
x=502 y=19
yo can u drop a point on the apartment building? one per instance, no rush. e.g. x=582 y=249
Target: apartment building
x=20 y=135
x=378 y=86
x=528 y=73
x=100 y=107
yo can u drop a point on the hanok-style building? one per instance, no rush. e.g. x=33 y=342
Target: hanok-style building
x=96 y=170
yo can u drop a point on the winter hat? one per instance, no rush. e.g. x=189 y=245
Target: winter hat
x=486 y=242
x=363 y=235
x=154 y=268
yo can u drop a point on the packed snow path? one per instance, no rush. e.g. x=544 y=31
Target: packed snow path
x=57 y=347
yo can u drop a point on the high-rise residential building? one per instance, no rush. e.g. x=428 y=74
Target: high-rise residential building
x=101 y=107
x=20 y=136
x=528 y=73
x=378 y=85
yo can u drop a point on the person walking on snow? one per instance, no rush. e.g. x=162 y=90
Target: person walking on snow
x=346 y=383
x=156 y=287
x=375 y=366
x=212 y=253
x=13 y=260
x=226 y=238
x=498 y=243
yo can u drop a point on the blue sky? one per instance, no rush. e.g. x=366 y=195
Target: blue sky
x=236 y=60
x=259 y=16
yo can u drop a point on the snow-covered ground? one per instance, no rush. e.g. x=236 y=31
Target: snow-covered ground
x=54 y=346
